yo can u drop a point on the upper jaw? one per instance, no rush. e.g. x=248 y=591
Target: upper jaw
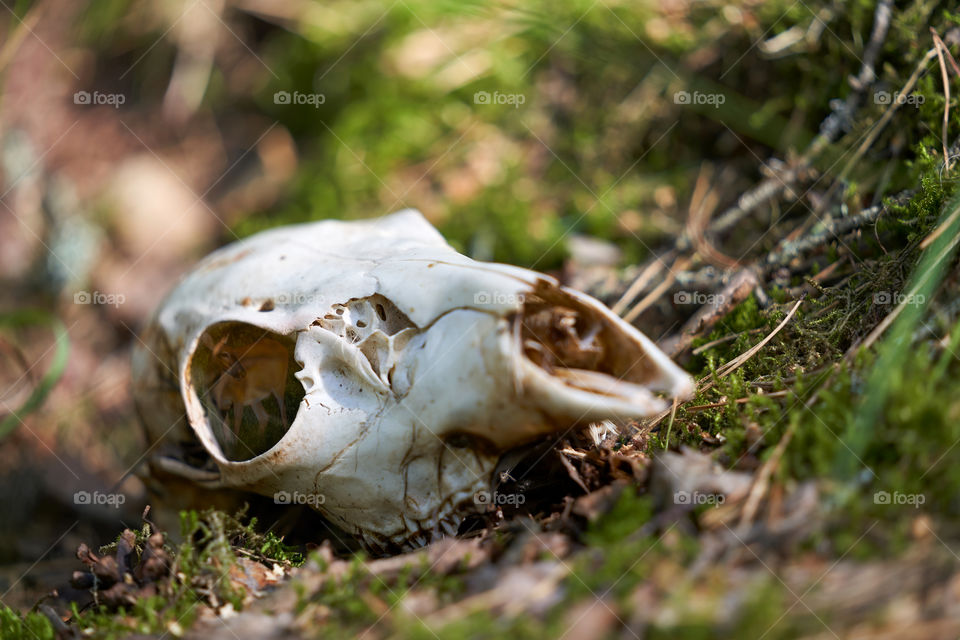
x=560 y=360
x=444 y=521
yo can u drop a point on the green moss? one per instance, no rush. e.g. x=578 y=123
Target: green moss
x=29 y=626
x=151 y=615
x=200 y=574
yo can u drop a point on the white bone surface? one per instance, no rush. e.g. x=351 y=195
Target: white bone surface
x=382 y=439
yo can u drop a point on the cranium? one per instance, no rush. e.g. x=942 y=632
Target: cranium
x=371 y=371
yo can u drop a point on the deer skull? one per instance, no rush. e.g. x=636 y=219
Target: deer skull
x=369 y=370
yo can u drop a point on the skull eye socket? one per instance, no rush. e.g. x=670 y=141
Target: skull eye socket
x=244 y=378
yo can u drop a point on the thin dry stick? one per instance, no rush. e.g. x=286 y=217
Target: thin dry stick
x=737 y=290
x=719 y=341
x=829 y=269
x=831 y=126
x=791 y=248
x=679 y=265
x=703 y=203
x=673 y=414
x=699 y=204
x=946 y=53
x=834 y=123
x=751 y=200
x=887 y=116
x=737 y=362
x=936 y=233
x=733 y=365
x=727 y=403
x=640 y=283
x=939 y=46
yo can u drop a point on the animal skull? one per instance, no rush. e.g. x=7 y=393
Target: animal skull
x=369 y=370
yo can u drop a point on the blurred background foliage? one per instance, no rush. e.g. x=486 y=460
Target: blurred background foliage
x=598 y=146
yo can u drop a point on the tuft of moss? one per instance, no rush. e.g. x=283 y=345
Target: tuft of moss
x=28 y=626
x=200 y=575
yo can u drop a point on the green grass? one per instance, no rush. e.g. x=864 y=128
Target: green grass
x=29 y=319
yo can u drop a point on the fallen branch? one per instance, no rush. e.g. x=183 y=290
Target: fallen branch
x=790 y=249
x=736 y=291
x=659 y=290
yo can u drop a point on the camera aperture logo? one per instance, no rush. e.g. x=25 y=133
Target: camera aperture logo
x=96 y=297
x=696 y=498
x=697 y=97
x=496 y=499
x=895 y=297
x=297 y=298
x=698 y=298
x=298 y=497
x=897 y=97
x=96 y=498
x=97 y=98
x=299 y=98
x=897 y=497
x=497 y=298
x=485 y=97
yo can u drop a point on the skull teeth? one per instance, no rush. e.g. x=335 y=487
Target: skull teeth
x=448 y=527
x=420 y=533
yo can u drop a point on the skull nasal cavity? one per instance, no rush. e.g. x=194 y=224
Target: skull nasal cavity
x=564 y=336
x=244 y=377
x=378 y=328
x=558 y=335
x=358 y=318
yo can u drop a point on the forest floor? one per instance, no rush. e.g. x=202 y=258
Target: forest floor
x=766 y=189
